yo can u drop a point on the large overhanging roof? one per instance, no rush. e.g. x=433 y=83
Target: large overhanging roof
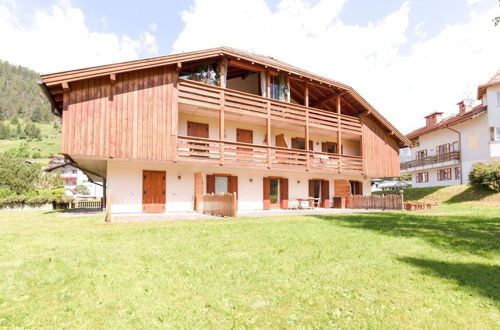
x=52 y=84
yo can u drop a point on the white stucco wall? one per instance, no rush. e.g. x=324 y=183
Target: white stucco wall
x=124 y=179
x=493 y=106
x=475 y=147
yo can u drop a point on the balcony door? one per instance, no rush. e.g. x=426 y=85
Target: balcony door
x=275 y=193
x=198 y=130
x=319 y=190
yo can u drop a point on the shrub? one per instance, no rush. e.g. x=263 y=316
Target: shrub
x=5 y=192
x=36 y=155
x=34 y=201
x=486 y=175
x=82 y=190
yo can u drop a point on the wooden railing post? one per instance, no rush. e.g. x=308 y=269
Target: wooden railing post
x=268 y=130
x=108 y=218
x=306 y=133
x=339 y=134
x=221 y=127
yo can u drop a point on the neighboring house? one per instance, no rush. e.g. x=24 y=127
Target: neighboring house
x=164 y=131
x=444 y=150
x=383 y=185
x=73 y=177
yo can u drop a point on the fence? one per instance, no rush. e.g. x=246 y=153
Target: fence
x=224 y=205
x=385 y=202
x=89 y=204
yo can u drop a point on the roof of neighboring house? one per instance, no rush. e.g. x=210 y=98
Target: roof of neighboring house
x=452 y=120
x=52 y=83
x=495 y=80
x=55 y=167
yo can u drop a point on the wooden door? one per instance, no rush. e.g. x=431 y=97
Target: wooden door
x=244 y=135
x=154 y=187
x=197 y=129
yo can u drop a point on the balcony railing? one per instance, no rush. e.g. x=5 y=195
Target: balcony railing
x=431 y=160
x=213 y=97
x=202 y=150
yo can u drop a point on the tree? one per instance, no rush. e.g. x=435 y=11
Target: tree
x=496 y=20
x=32 y=131
x=17 y=175
x=5 y=132
x=50 y=180
x=82 y=189
x=19 y=129
x=14 y=120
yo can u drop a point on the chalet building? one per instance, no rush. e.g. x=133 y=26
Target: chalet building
x=164 y=131
x=445 y=149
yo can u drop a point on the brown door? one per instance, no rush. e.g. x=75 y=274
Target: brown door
x=153 y=191
x=197 y=129
x=244 y=135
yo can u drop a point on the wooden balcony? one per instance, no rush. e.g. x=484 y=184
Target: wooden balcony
x=191 y=149
x=231 y=101
x=431 y=160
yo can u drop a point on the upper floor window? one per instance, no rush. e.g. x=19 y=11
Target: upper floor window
x=444 y=148
x=497 y=133
x=455 y=146
x=74 y=171
x=498 y=99
x=421 y=154
x=278 y=88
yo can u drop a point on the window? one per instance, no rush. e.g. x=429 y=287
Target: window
x=444 y=174
x=444 y=148
x=498 y=99
x=221 y=183
x=74 y=171
x=457 y=173
x=422 y=177
x=421 y=154
x=275 y=87
x=497 y=133
x=454 y=146
x=329 y=147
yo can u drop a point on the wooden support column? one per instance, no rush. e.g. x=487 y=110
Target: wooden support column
x=339 y=134
x=223 y=73
x=221 y=128
x=288 y=93
x=306 y=102
x=268 y=119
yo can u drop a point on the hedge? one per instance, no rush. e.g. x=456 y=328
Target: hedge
x=486 y=175
x=34 y=201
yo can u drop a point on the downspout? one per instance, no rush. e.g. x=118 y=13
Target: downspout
x=460 y=149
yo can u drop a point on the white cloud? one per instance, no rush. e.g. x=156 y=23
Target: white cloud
x=433 y=75
x=59 y=39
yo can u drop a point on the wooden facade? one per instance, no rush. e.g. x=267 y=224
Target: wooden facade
x=131 y=112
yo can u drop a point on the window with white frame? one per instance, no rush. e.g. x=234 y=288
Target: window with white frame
x=497 y=133
x=422 y=177
x=457 y=173
x=454 y=146
x=498 y=99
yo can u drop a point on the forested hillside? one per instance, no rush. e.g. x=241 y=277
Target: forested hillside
x=20 y=96
x=27 y=126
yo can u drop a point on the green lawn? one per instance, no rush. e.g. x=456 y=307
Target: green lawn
x=428 y=269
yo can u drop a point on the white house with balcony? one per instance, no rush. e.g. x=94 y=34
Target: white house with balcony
x=445 y=149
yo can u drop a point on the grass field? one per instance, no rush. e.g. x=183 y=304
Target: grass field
x=50 y=144
x=428 y=269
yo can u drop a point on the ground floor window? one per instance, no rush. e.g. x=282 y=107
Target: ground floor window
x=457 y=173
x=221 y=184
x=422 y=177
x=274 y=195
x=444 y=174
x=356 y=188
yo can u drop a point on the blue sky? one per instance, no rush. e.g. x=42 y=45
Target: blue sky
x=406 y=57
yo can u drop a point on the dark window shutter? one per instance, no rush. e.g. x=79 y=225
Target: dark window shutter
x=324 y=147
x=325 y=192
x=267 y=194
x=210 y=184
x=311 y=145
x=294 y=143
x=311 y=188
x=233 y=185
x=284 y=193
